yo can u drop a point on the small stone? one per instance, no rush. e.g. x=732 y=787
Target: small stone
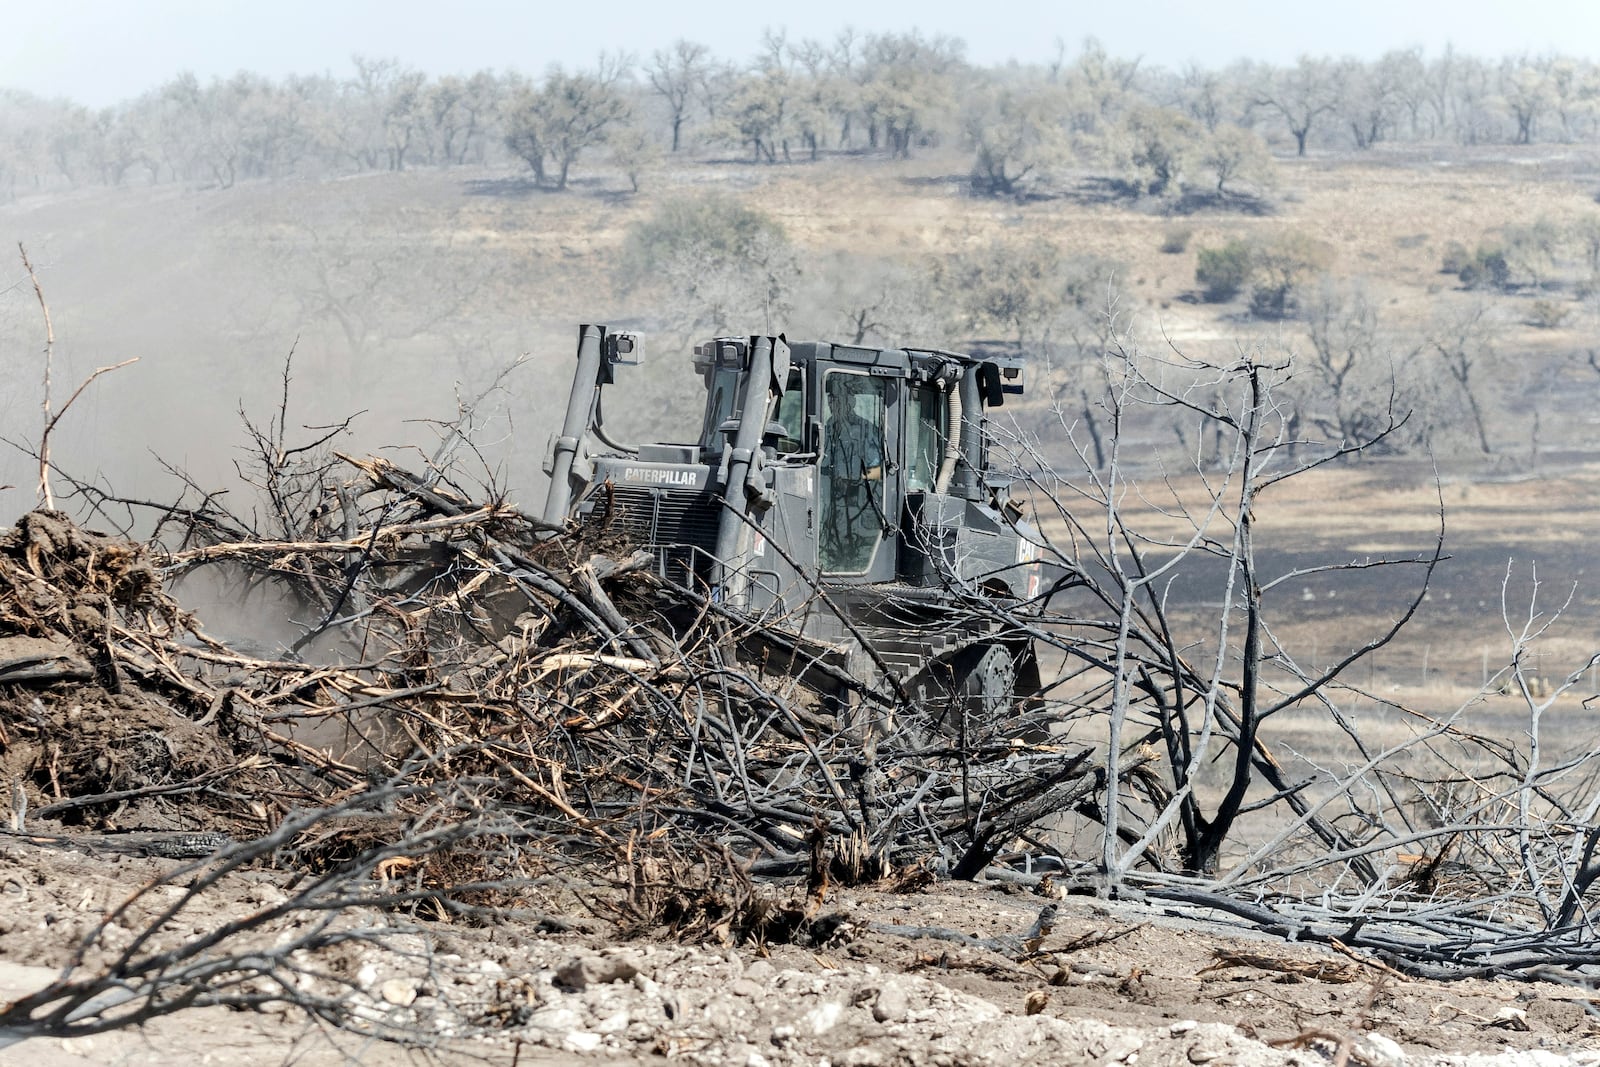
x=1509 y=1018
x=782 y=1035
x=744 y=987
x=1122 y=1048
x=556 y=1019
x=267 y=895
x=865 y=1056
x=759 y=971
x=1182 y=1026
x=585 y=971
x=823 y=1017
x=367 y=976
x=892 y=1005
x=398 y=991
x=582 y=1041
x=615 y=1023
x=1380 y=1051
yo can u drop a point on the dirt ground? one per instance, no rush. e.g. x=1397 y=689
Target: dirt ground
x=937 y=976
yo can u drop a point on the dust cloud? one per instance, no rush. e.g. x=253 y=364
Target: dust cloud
x=390 y=322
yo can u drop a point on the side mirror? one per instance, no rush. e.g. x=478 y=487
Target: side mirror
x=626 y=349
x=990 y=386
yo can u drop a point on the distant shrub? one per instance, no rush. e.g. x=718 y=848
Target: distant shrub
x=1176 y=239
x=1548 y=314
x=710 y=229
x=1488 y=269
x=1269 y=302
x=1456 y=257
x=1280 y=264
x=1223 y=272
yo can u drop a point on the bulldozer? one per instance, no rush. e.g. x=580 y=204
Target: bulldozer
x=838 y=496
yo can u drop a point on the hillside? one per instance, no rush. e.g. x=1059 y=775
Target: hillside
x=399 y=293
x=546 y=834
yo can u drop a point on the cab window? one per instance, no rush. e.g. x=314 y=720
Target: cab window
x=925 y=437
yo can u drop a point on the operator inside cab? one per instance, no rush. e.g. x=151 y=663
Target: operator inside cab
x=853 y=518
x=855 y=445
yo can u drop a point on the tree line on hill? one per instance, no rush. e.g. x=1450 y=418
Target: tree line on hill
x=1149 y=130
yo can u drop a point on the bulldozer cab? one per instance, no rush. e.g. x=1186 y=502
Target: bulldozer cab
x=856 y=470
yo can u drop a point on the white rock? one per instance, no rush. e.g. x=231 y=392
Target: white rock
x=585 y=971
x=892 y=1005
x=582 y=1041
x=399 y=992
x=267 y=895
x=1123 y=1047
x=614 y=1023
x=1380 y=1051
x=556 y=1019
x=367 y=976
x=822 y=1018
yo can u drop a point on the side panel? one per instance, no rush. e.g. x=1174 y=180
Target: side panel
x=784 y=549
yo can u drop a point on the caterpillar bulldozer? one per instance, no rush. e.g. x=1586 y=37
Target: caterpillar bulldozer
x=841 y=498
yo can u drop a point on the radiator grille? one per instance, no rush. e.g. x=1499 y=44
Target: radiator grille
x=680 y=528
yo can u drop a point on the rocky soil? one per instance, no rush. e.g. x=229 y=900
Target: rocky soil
x=944 y=975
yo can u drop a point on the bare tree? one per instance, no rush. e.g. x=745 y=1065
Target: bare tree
x=1370 y=101
x=1464 y=340
x=1207 y=96
x=1353 y=377
x=1302 y=94
x=1526 y=89
x=676 y=75
x=1128 y=633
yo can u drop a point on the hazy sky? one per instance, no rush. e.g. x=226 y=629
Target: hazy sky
x=100 y=52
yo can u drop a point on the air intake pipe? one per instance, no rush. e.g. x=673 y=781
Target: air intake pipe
x=580 y=414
